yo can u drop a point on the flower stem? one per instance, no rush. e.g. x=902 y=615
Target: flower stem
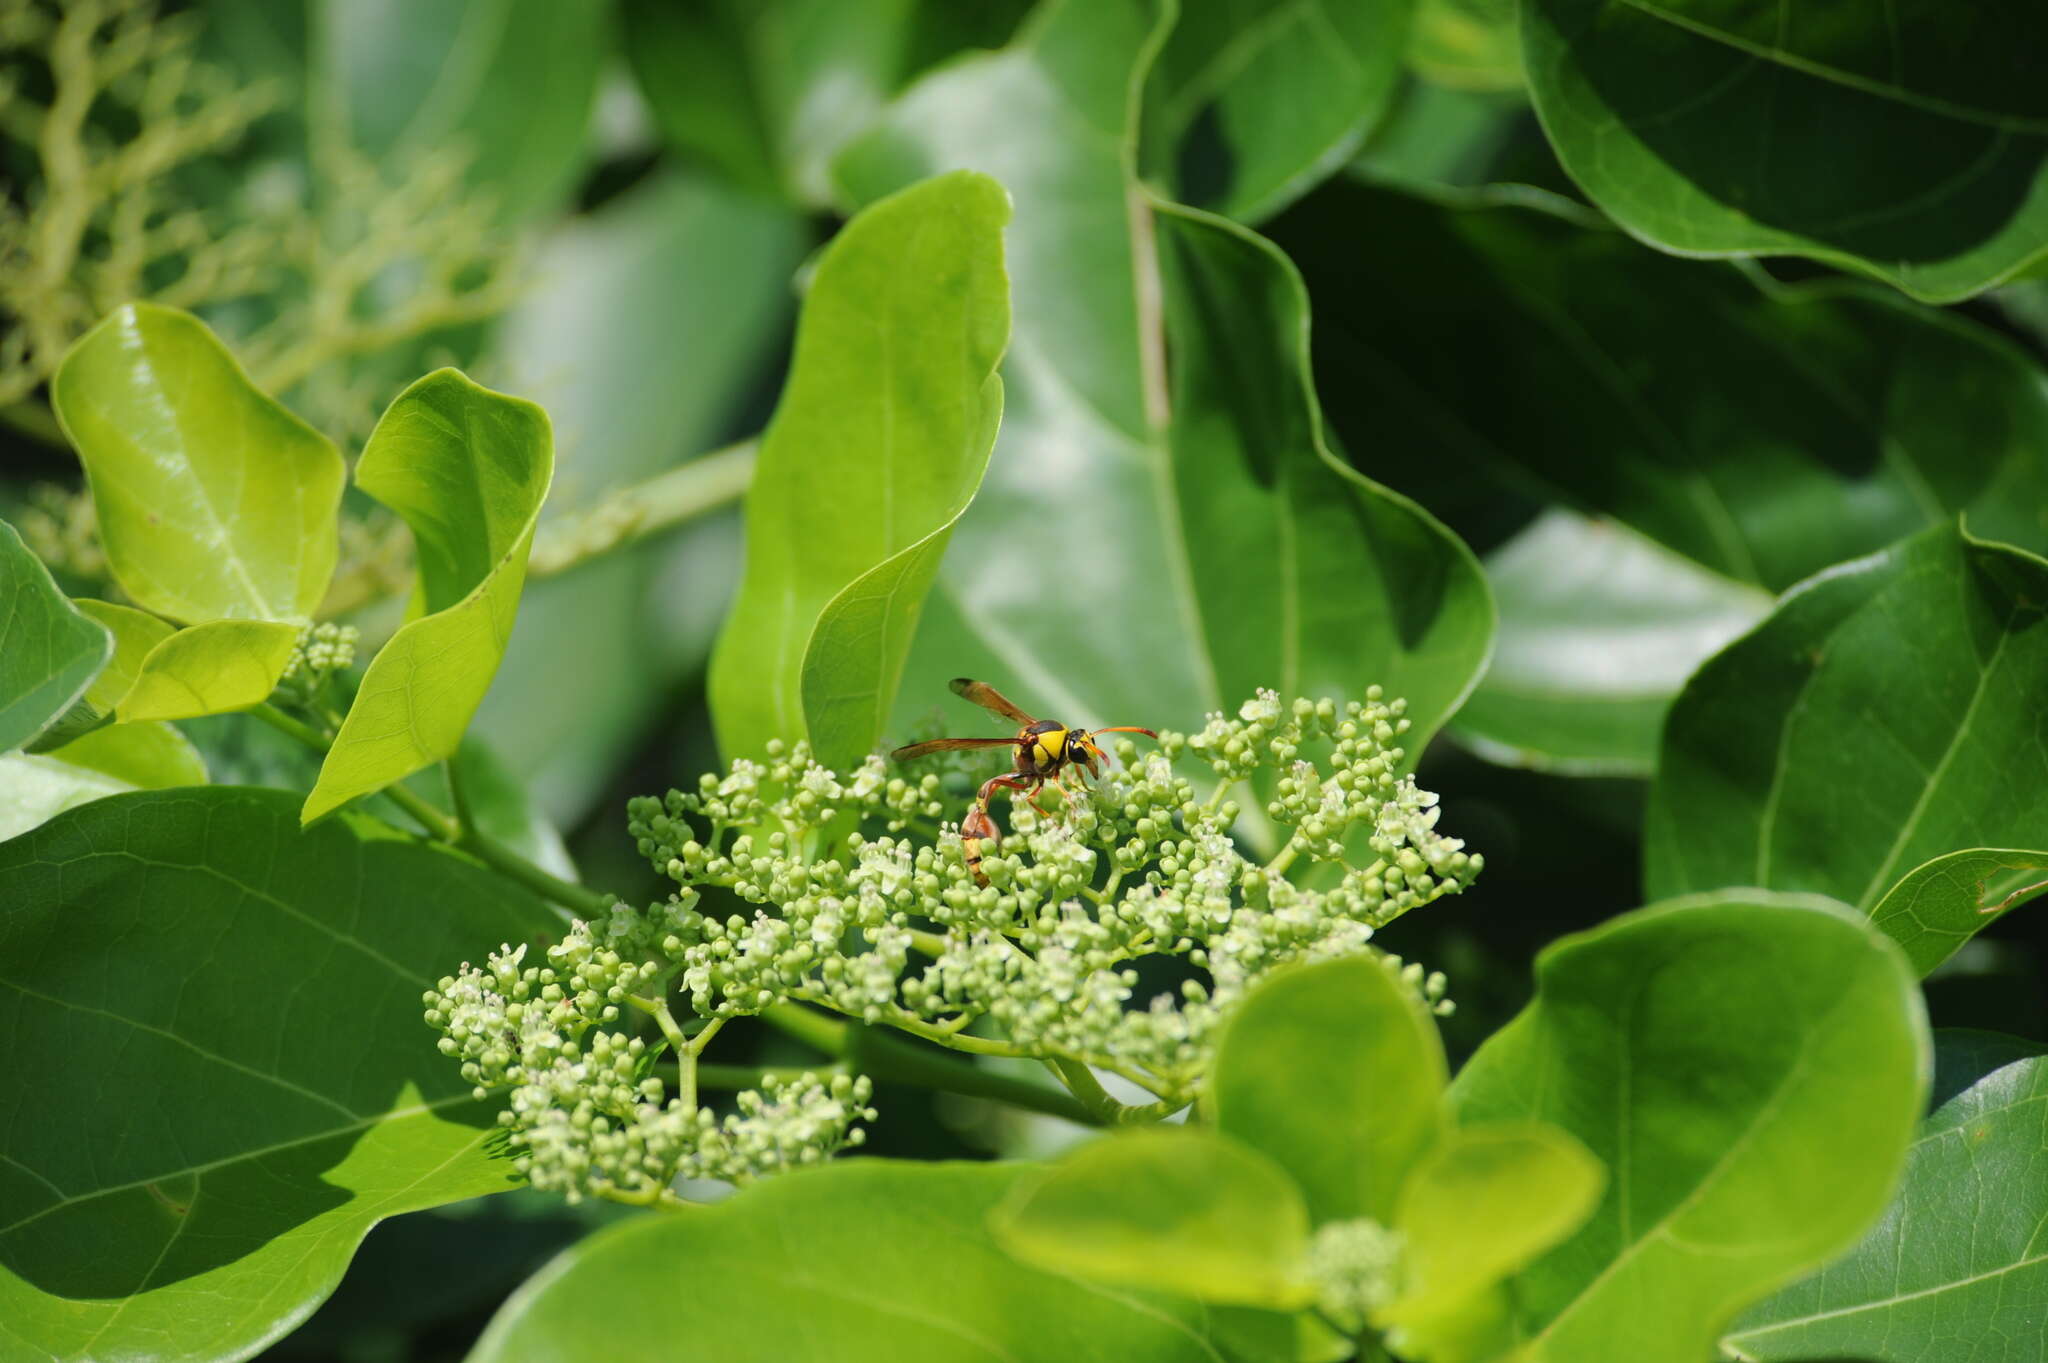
x=888 y=1059
x=1107 y=1111
x=747 y=1076
x=691 y=489
x=444 y=828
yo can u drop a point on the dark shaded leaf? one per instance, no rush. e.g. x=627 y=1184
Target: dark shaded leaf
x=251 y=994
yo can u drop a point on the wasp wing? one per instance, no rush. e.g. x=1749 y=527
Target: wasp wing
x=990 y=699
x=926 y=749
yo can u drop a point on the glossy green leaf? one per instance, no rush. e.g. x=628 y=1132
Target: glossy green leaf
x=892 y=1264
x=1276 y=93
x=35 y=788
x=1122 y=493
x=209 y=669
x=643 y=331
x=507 y=85
x=503 y=809
x=1176 y=1210
x=251 y=991
x=1958 y=1267
x=1905 y=140
x=1467 y=44
x=1817 y=753
x=1335 y=1071
x=1749 y=1067
x=1944 y=902
x=877 y=446
x=1494 y=353
x=214 y=501
x=1479 y=1206
x=49 y=652
x=767 y=91
x=135 y=633
x=467 y=468
x=499 y=806
x=146 y=756
x=1599 y=628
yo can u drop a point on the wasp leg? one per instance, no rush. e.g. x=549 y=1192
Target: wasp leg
x=1007 y=781
x=1030 y=785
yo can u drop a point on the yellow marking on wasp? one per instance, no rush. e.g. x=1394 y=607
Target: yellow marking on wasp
x=1051 y=744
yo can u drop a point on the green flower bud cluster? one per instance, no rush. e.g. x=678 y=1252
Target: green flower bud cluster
x=796 y=884
x=857 y=913
x=1355 y=1267
x=585 y=1112
x=321 y=651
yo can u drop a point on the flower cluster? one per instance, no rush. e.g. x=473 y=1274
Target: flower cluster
x=587 y=1112
x=321 y=651
x=799 y=885
x=1355 y=1266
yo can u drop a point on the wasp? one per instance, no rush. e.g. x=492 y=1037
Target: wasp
x=1046 y=750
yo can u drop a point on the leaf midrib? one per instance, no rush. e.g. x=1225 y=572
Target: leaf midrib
x=1786 y=1085
x=158 y=396
x=202 y=1052
x=310 y=1138
x=1806 y=66
x=1889 y=1302
x=1880 y=882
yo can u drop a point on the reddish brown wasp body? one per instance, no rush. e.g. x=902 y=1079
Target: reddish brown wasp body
x=1046 y=750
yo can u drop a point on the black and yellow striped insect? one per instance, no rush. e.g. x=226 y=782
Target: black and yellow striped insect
x=1046 y=750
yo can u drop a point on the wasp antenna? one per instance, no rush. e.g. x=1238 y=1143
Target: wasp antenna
x=1124 y=729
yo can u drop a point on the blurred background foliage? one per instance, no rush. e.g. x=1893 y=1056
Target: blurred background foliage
x=607 y=208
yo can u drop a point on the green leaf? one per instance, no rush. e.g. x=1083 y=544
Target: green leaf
x=1905 y=140
x=467 y=469
x=1467 y=44
x=146 y=756
x=1436 y=138
x=209 y=669
x=35 y=788
x=1334 y=1070
x=1957 y=1268
x=1493 y=353
x=1749 y=1068
x=49 y=652
x=503 y=810
x=877 y=446
x=893 y=1265
x=1599 y=628
x=1174 y=1210
x=1944 y=902
x=1479 y=1206
x=507 y=85
x=248 y=993
x=1280 y=92
x=642 y=334
x=1818 y=754
x=767 y=91
x=214 y=501
x=1121 y=494
x=135 y=633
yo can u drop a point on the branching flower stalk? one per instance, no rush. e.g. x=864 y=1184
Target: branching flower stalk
x=103 y=225
x=802 y=888
x=367 y=258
